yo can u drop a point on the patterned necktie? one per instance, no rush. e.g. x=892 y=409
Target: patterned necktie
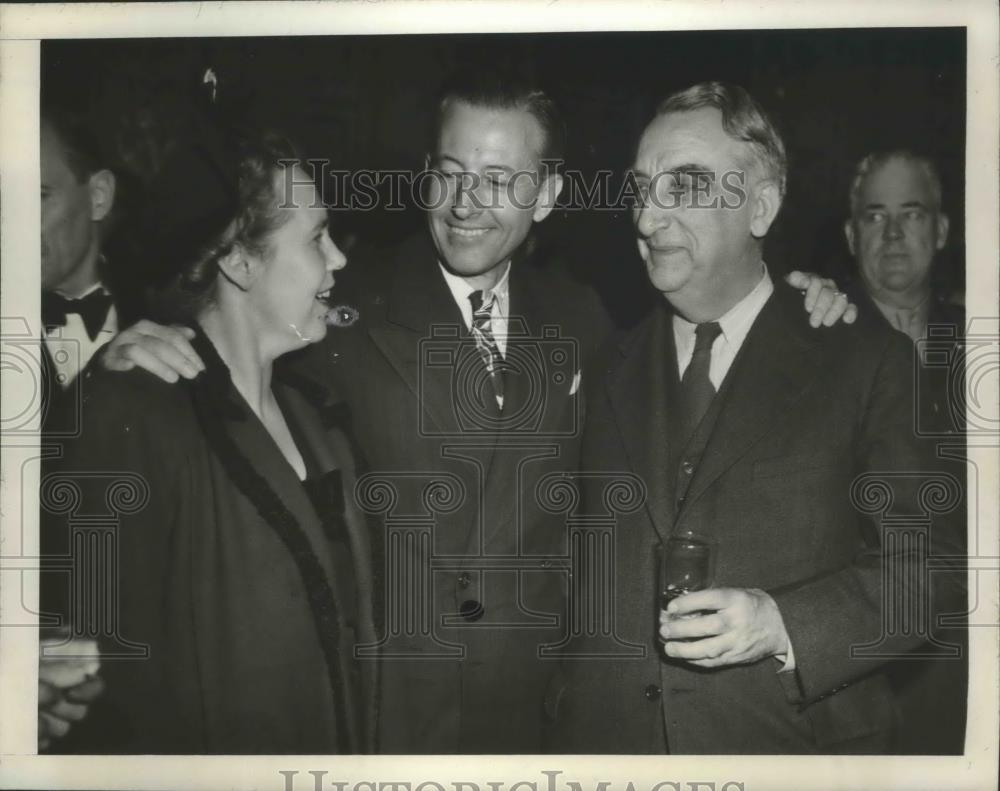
x=93 y=309
x=482 y=332
x=697 y=389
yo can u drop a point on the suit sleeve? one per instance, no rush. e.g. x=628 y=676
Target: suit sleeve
x=837 y=623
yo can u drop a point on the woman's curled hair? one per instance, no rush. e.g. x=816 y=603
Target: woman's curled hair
x=212 y=195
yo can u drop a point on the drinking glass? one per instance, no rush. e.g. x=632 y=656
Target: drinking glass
x=687 y=564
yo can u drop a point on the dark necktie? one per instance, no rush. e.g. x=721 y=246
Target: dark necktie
x=93 y=309
x=697 y=389
x=482 y=332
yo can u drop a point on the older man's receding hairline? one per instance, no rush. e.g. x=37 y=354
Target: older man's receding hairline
x=743 y=120
x=872 y=163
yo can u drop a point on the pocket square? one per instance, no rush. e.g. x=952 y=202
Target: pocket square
x=576 y=384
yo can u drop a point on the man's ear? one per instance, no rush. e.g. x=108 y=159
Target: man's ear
x=942 y=230
x=101 y=185
x=547 y=197
x=767 y=201
x=239 y=268
x=849 y=236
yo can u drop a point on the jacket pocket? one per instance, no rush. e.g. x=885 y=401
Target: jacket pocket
x=864 y=712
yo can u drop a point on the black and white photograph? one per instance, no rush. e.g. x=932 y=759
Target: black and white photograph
x=499 y=396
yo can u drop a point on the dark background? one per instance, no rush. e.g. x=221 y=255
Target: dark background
x=366 y=102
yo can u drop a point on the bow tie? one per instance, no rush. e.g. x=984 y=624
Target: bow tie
x=93 y=309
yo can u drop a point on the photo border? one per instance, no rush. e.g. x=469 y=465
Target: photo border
x=21 y=28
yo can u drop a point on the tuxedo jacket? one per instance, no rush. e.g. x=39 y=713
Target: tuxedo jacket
x=61 y=406
x=476 y=574
x=802 y=416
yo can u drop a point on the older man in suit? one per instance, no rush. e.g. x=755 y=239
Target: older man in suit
x=752 y=433
x=463 y=377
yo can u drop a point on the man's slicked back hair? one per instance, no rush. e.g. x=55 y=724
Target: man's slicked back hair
x=503 y=90
x=80 y=144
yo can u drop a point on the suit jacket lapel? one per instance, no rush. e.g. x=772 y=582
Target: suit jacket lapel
x=769 y=374
x=257 y=445
x=524 y=320
x=639 y=386
x=419 y=305
x=301 y=408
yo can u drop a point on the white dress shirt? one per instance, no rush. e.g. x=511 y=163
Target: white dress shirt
x=735 y=324
x=70 y=347
x=460 y=290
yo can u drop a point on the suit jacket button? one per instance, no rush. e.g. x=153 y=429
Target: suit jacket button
x=652 y=692
x=471 y=610
x=464 y=579
x=687 y=467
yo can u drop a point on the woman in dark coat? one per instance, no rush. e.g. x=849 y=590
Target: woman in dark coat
x=243 y=564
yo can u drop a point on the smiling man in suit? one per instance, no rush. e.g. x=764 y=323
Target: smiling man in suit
x=464 y=371
x=748 y=429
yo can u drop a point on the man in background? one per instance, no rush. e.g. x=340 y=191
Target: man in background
x=79 y=316
x=78 y=310
x=895 y=232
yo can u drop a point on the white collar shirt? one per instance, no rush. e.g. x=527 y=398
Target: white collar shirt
x=70 y=347
x=735 y=324
x=460 y=291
